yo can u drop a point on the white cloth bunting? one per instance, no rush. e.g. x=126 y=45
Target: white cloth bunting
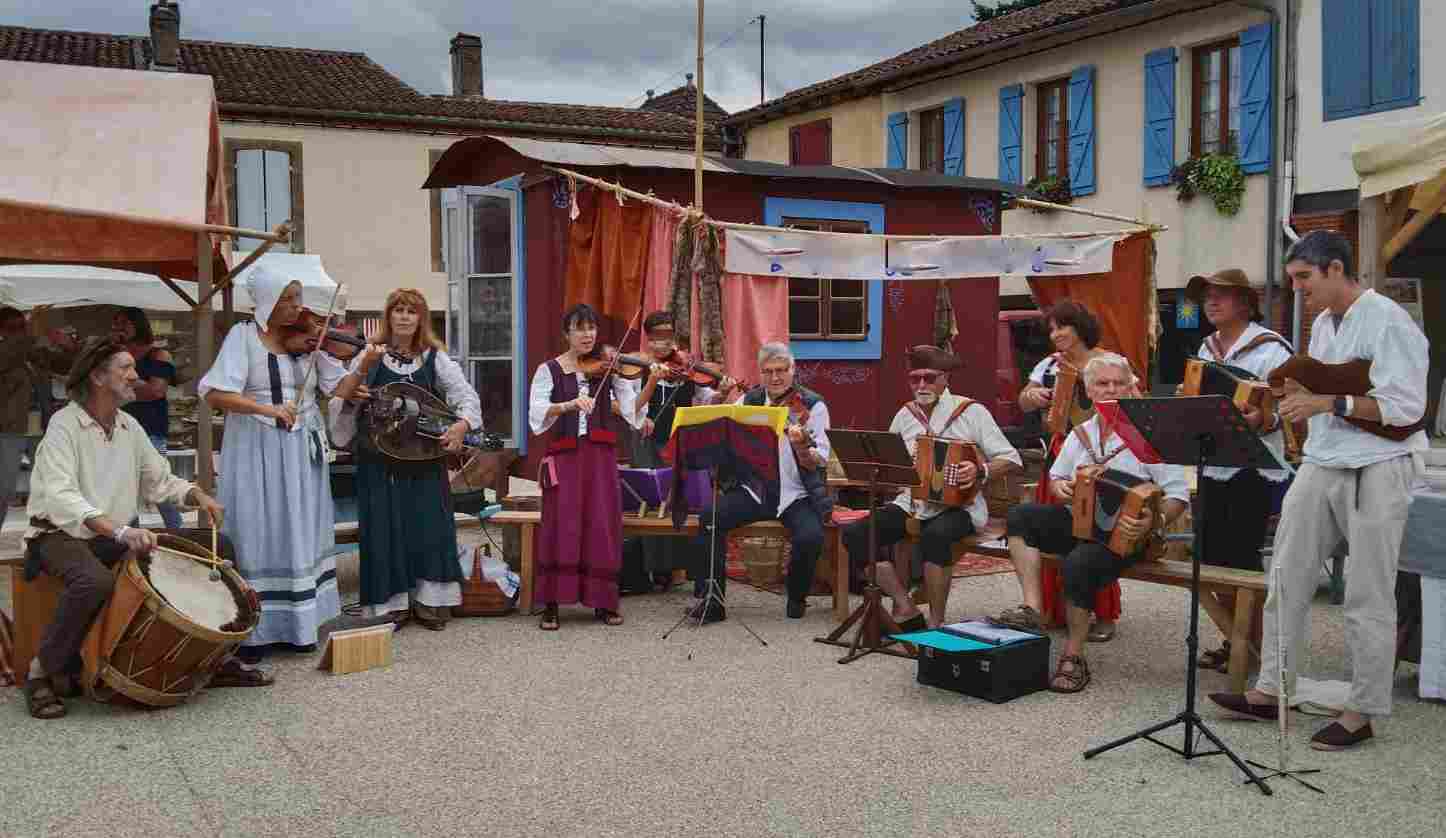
x=804 y=253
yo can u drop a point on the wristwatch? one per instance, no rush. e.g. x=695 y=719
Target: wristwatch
x=1341 y=407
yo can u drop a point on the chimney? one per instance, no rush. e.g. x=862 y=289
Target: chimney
x=165 y=36
x=690 y=81
x=466 y=65
x=650 y=95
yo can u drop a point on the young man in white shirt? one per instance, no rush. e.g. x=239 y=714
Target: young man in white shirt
x=1087 y=566
x=1234 y=521
x=936 y=412
x=92 y=468
x=1353 y=484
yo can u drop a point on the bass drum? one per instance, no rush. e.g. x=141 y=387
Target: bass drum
x=167 y=627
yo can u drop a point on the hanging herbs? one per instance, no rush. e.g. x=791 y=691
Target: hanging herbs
x=1052 y=189
x=1217 y=176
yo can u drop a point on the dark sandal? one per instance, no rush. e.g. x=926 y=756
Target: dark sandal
x=1075 y=679
x=1217 y=659
x=41 y=700
x=611 y=618
x=233 y=674
x=1097 y=635
x=913 y=624
x=549 y=620
x=1022 y=618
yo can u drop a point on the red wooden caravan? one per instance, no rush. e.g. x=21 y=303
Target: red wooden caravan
x=508 y=225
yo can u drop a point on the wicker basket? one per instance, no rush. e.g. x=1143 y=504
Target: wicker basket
x=764 y=557
x=481 y=597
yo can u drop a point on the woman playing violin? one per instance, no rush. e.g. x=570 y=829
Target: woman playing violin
x=408 y=533
x=579 y=547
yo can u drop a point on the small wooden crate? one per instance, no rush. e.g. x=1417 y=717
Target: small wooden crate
x=357 y=650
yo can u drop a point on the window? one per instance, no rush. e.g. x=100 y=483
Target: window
x=827 y=309
x=931 y=140
x=1215 y=127
x=811 y=144
x=1371 y=56
x=265 y=188
x=1051 y=157
x=434 y=219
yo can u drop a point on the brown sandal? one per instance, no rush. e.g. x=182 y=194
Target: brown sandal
x=233 y=674
x=1076 y=679
x=549 y=620
x=611 y=618
x=1216 y=659
x=1022 y=618
x=41 y=700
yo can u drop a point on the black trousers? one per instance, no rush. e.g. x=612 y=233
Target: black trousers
x=1087 y=566
x=1234 y=518
x=936 y=535
x=737 y=508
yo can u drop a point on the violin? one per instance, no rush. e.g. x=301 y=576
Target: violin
x=596 y=363
x=302 y=336
x=680 y=366
x=798 y=416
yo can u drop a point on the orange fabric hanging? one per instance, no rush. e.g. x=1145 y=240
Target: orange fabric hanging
x=607 y=256
x=755 y=309
x=1122 y=299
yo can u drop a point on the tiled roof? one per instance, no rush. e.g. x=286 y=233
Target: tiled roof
x=250 y=76
x=683 y=101
x=957 y=45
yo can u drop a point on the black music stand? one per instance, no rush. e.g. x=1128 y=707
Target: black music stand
x=1197 y=431
x=882 y=459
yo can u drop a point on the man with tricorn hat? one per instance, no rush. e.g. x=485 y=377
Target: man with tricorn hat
x=933 y=411
x=1234 y=522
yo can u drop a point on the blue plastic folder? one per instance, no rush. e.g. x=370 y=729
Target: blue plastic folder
x=943 y=641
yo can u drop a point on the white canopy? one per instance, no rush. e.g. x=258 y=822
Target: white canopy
x=1401 y=154
x=69 y=286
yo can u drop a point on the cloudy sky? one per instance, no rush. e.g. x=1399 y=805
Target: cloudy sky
x=599 y=52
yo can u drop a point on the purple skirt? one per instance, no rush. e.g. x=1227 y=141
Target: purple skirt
x=579 y=545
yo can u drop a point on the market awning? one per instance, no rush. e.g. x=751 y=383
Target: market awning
x=108 y=167
x=70 y=286
x=1402 y=167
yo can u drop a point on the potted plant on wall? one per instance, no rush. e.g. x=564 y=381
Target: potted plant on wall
x=1217 y=175
x=1050 y=188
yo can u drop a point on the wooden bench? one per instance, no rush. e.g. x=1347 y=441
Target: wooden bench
x=1246 y=588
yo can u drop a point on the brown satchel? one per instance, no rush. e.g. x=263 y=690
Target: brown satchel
x=1352 y=378
x=481 y=597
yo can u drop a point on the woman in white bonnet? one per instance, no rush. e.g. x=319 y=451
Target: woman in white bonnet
x=274 y=479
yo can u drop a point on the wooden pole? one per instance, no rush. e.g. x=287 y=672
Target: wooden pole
x=1402 y=238
x=1372 y=268
x=205 y=355
x=698 y=121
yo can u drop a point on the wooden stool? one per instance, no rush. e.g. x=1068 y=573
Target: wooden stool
x=34 y=603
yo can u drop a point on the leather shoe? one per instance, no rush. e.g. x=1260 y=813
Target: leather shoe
x=796 y=608
x=1237 y=703
x=1335 y=737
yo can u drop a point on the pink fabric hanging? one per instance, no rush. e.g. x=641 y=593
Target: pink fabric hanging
x=755 y=311
x=660 y=261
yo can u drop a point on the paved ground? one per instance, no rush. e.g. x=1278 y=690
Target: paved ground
x=493 y=727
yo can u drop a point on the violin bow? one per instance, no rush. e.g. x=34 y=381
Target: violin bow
x=311 y=360
x=612 y=364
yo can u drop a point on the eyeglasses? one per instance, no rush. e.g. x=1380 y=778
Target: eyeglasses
x=924 y=377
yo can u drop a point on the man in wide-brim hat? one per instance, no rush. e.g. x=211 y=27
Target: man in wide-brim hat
x=933 y=411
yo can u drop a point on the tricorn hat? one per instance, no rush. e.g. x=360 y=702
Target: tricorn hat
x=1228 y=278
x=926 y=357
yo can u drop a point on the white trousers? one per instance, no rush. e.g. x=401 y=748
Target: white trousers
x=1367 y=507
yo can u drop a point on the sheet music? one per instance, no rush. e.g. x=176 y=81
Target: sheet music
x=987 y=632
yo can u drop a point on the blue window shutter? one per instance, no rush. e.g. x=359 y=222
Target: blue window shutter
x=1395 y=53
x=1346 y=57
x=1011 y=133
x=898 y=128
x=1257 y=117
x=1082 y=131
x=1159 y=116
x=954 y=137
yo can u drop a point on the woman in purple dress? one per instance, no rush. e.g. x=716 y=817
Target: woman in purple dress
x=579 y=547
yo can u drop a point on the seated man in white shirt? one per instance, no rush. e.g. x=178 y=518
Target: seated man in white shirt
x=1353 y=484
x=936 y=412
x=1088 y=566
x=93 y=466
